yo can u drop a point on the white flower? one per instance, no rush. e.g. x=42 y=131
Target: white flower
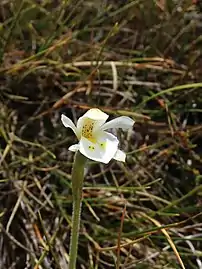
x=94 y=142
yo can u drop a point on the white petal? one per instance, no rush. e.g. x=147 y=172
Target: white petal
x=96 y=114
x=103 y=150
x=69 y=124
x=120 y=122
x=120 y=156
x=74 y=147
x=93 y=114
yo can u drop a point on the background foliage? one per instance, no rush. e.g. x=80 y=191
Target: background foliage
x=139 y=58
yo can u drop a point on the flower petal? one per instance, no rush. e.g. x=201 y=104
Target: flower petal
x=74 y=147
x=120 y=156
x=95 y=115
x=120 y=122
x=69 y=124
x=103 y=150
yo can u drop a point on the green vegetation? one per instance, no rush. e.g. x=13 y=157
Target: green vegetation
x=140 y=58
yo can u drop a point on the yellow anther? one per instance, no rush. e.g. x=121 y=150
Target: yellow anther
x=87 y=130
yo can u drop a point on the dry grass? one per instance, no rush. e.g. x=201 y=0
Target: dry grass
x=139 y=58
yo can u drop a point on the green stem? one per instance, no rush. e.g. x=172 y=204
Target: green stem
x=77 y=184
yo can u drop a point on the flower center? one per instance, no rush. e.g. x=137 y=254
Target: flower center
x=87 y=130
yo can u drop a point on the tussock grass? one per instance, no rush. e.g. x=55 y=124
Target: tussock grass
x=137 y=58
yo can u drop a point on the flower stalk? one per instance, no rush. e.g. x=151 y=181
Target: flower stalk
x=77 y=184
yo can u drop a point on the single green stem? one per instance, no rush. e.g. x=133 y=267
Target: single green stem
x=77 y=184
